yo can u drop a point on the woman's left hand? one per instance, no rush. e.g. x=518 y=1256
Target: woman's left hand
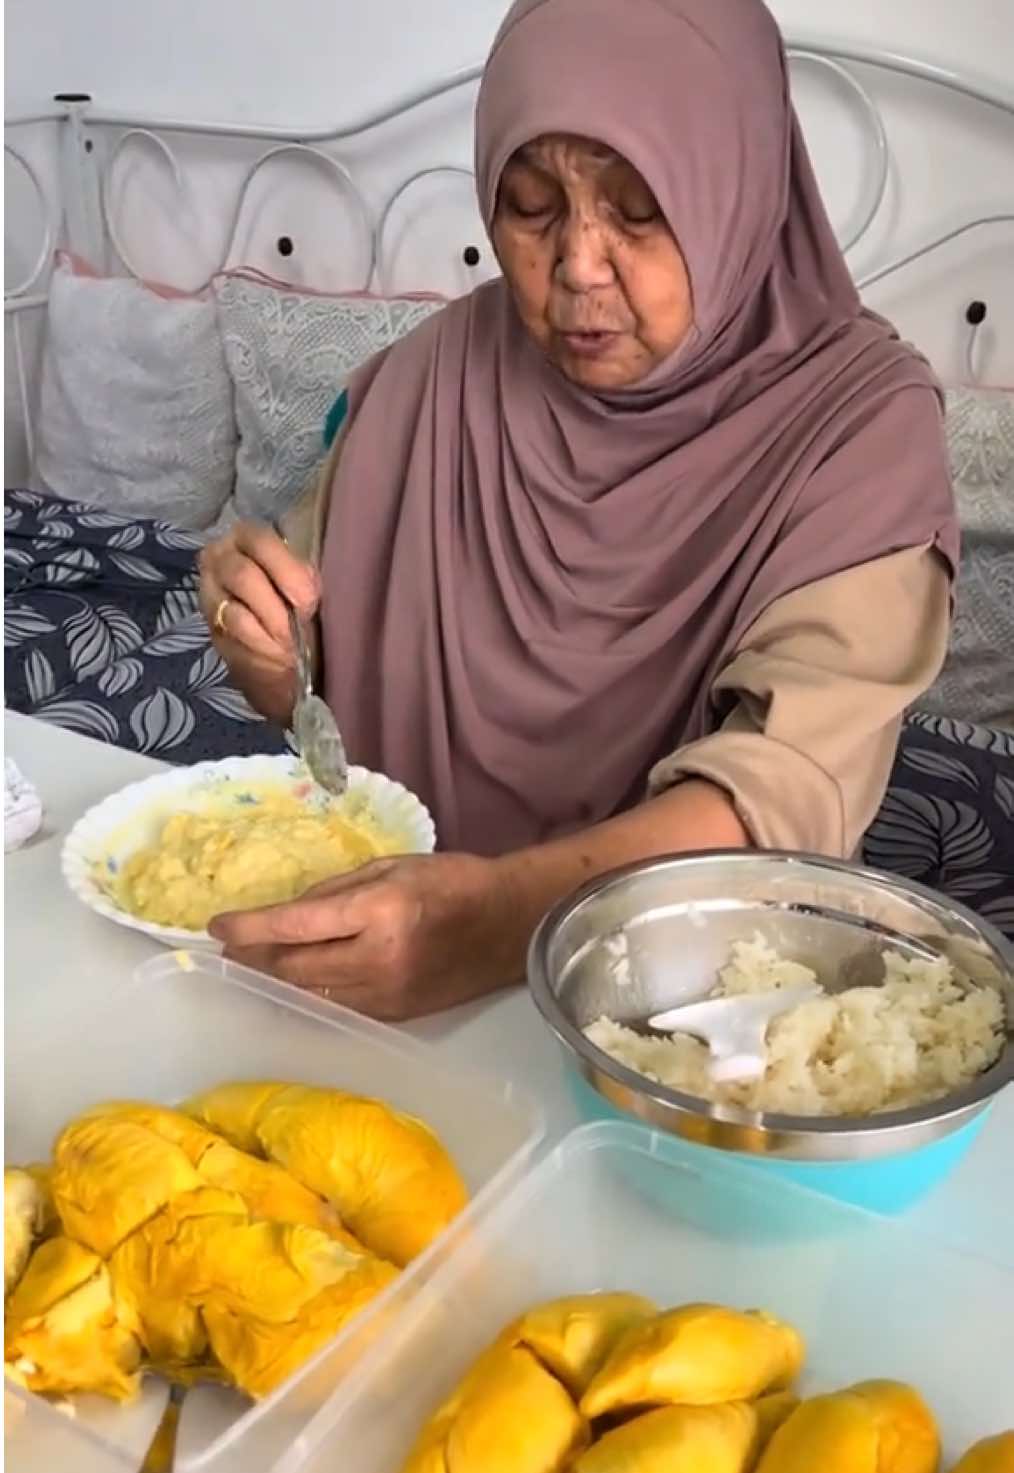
x=403 y=937
x=396 y=939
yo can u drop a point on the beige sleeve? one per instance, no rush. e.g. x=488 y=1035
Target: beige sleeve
x=818 y=687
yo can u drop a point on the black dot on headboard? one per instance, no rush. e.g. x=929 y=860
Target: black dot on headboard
x=470 y=255
x=975 y=313
x=284 y=245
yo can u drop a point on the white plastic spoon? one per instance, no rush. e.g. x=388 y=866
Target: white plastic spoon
x=734 y=1028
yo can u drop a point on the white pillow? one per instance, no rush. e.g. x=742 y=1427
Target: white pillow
x=290 y=354
x=135 y=402
x=977 y=683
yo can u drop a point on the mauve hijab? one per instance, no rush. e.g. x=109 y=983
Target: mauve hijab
x=529 y=587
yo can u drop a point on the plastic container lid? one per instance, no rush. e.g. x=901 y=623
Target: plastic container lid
x=616 y=1207
x=183 y=1023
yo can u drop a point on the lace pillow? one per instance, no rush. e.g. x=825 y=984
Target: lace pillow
x=135 y=403
x=290 y=352
x=977 y=683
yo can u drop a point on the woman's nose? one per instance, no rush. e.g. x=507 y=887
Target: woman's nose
x=583 y=260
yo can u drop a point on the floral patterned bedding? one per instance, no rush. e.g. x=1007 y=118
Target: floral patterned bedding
x=103 y=636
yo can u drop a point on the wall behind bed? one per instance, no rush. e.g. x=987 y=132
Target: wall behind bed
x=319 y=59
x=328 y=62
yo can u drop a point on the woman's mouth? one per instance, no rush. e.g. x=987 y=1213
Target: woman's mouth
x=590 y=344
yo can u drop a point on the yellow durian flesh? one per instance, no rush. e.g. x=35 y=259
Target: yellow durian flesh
x=699 y=1355
x=573 y=1336
x=991 y=1455
x=62 y=1333
x=258 y=1353
x=276 y=1267
x=508 y=1415
x=268 y=1190
x=276 y=1293
x=677 y=1439
x=110 y=1174
x=162 y=1271
x=908 y=1432
x=209 y=1246
x=173 y=1126
x=234 y=1111
x=834 y=1433
x=872 y=1427
x=201 y=1280
x=772 y=1411
x=390 y=1178
x=28 y=1214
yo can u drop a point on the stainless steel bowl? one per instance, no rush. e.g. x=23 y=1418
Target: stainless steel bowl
x=656 y=934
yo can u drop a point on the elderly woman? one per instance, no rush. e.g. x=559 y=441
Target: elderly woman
x=643 y=547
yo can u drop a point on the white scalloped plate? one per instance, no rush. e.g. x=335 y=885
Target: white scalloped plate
x=109 y=833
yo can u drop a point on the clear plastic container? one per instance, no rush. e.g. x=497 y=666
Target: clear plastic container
x=182 y=1023
x=616 y=1207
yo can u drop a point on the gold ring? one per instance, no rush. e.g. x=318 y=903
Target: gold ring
x=219 y=619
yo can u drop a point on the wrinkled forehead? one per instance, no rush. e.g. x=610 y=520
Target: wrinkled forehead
x=537 y=150
x=692 y=93
x=567 y=154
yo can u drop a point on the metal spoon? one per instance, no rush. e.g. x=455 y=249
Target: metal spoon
x=314 y=730
x=161 y=1454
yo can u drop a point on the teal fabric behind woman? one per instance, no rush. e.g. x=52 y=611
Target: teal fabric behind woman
x=335 y=418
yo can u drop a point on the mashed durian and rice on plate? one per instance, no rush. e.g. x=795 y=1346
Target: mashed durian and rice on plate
x=241 y=851
x=919 y=1035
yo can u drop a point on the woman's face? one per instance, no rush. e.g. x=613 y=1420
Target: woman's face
x=596 y=273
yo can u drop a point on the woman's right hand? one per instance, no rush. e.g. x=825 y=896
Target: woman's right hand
x=248 y=580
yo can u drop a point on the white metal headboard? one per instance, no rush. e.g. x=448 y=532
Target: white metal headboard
x=84 y=219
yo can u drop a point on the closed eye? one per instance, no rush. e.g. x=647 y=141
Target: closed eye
x=528 y=208
x=641 y=216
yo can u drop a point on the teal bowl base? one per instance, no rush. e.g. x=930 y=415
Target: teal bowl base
x=884 y=1184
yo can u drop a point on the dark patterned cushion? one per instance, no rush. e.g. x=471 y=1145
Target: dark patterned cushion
x=103 y=636
x=948 y=817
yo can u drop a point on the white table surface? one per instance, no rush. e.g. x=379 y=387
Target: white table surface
x=59 y=957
